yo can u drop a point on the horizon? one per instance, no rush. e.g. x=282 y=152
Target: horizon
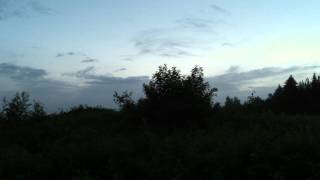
x=80 y=52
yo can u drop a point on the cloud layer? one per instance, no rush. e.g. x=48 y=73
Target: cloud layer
x=22 y=8
x=166 y=42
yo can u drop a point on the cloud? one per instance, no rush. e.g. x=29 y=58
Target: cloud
x=99 y=89
x=157 y=42
x=220 y=10
x=233 y=74
x=121 y=69
x=89 y=60
x=57 y=93
x=70 y=53
x=186 y=36
x=195 y=23
x=20 y=72
x=53 y=93
x=81 y=73
x=7 y=10
x=233 y=69
x=89 y=74
x=22 y=8
x=40 y=8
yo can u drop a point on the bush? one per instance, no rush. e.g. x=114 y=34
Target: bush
x=173 y=100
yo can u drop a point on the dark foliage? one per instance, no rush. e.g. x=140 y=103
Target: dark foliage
x=293 y=97
x=18 y=108
x=275 y=138
x=173 y=100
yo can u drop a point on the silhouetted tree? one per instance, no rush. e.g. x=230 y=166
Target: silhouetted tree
x=130 y=110
x=254 y=103
x=124 y=100
x=232 y=104
x=173 y=100
x=293 y=97
x=290 y=95
x=38 y=112
x=18 y=107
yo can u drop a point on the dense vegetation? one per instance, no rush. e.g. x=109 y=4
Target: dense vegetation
x=175 y=131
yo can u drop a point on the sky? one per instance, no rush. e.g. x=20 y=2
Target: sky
x=73 y=52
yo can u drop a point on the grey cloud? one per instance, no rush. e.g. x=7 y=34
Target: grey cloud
x=221 y=10
x=198 y=23
x=21 y=8
x=179 y=40
x=116 y=80
x=7 y=9
x=89 y=60
x=20 y=72
x=92 y=78
x=239 y=77
x=70 y=53
x=121 y=69
x=81 y=73
x=157 y=43
x=99 y=89
x=233 y=69
x=40 y=8
x=33 y=80
x=59 y=55
x=60 y=94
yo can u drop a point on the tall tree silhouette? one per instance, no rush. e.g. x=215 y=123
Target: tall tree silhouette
x=174 y=100
x=290 y=95
x=274 y=100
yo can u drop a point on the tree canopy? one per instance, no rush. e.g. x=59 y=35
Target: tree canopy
x=174 y=100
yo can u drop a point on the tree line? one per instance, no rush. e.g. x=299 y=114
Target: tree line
x=175 y=100
x=291 y=98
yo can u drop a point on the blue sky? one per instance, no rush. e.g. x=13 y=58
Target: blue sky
x=80 y=51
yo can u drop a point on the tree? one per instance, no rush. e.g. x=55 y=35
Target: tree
x=18 y=107
x=232 y=104
x=274 y=100
x=173 y=100
x=254 y=103
x=286 y=98
x=290 y=96
x=290 y=85
x=124 y=100
x=38 y=112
